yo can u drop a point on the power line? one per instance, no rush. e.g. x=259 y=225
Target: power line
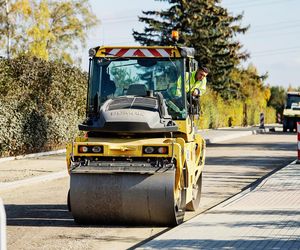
x=247 y=5
x=277 y=23
x=119 y=19
x=243 y=1
x=263 y=51
x=131 y=18
x=276 y=51
x=279 y=27
x=267 y=35
x=254 y=32
x=238 y=2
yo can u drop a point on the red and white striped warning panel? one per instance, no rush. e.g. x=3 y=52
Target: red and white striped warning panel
x=124 y=52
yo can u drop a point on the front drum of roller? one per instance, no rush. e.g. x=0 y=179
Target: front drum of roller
x=125 y=198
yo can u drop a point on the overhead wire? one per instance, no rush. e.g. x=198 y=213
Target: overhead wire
x=267 y=29
x=263 y=31
x=278 y=23
x=271 y=27
x=247 y=5
x=276 y=51
x=119 y=20
x=286 y=35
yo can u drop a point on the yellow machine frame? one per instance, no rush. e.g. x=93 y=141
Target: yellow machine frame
x=186 y=147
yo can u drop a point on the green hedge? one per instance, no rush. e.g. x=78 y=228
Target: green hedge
x=41 y=104
x=216 y=113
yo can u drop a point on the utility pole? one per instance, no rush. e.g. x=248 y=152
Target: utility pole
x=7 y=30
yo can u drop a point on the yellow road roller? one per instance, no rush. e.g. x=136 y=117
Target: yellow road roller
x=140 y=159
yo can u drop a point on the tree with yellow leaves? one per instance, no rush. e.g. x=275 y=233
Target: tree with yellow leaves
x=252 y=91
x=45 y=29
x=12 y=12
x=39 y=33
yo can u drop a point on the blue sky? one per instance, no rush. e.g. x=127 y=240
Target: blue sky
x=273 y=39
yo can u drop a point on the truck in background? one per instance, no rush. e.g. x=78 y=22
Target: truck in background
x=291 y=112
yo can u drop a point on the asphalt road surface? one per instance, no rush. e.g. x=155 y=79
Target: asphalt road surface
x=37 y=215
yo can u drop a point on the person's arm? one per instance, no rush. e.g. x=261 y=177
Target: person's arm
x=199 y=88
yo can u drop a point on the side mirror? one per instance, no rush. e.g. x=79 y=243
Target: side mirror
x=194 y=107
x=191 y=65
x=195 y=64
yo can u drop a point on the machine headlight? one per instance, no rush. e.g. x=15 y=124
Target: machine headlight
x=162 y=150
x=155 y=150
x=96 y=149
x=83 y=149
x=149 y=150
x=90 y=149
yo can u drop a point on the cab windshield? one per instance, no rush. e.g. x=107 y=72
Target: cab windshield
x=112 y=78
x=293 y=101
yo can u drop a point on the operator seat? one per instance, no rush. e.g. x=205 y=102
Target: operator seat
x=108 y=89
x=137 y=89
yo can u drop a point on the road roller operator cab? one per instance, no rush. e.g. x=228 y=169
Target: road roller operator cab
x=140 y=160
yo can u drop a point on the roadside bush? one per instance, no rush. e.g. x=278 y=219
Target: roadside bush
x=41 y=104
x=216 y=112
x=11 y=130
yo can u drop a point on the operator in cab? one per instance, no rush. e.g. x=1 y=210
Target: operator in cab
x=195 y=80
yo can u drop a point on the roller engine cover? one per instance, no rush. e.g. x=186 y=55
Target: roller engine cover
x=131 y=114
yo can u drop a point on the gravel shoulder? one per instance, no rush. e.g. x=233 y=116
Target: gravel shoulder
x=26 y=168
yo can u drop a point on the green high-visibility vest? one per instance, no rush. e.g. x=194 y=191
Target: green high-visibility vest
x=201 y=85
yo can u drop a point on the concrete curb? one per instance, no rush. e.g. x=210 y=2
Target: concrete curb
x=236 y=135
x=20 y=157
x=33 y=180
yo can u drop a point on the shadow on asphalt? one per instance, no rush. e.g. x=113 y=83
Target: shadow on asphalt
x=285 y=146
x=255 y=159
x=262 y=162
x=47 y=215
x=282 y=133
x=38 y=215
x=253 y=129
